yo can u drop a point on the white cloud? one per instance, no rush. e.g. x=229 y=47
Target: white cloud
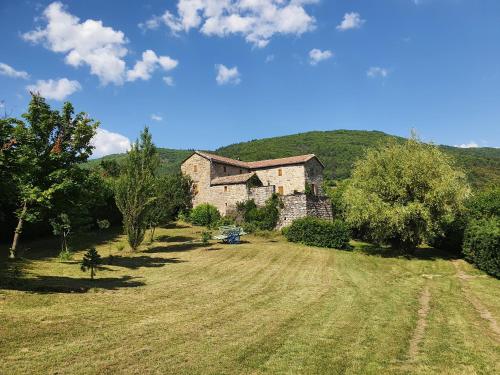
x=227 y=75
x=377 y=71
x=169 y=81
x=144 y=68
x=256 y=20
x=156 y=117
x=88 y=42
x=351 y=21
x=9 y=71
x=471 y=144
x=269 y=58
x=106 y=143
x=316 y=55
x=55 y=89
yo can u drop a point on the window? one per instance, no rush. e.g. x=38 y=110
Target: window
x=225 y=170
x=280 y=172
x=280 y=190
x=225 y=189
x=241 y=171
x=195 y=168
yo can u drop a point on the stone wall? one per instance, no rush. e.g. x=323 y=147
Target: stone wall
x=297 y=206
x=261 y=194
x=292 y=178
x=220 y=170
x=199 y=169
x=225 y=197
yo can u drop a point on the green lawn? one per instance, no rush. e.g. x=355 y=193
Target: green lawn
x=265 y=306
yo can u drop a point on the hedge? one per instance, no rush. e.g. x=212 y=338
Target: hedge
x=205 y=214
x=316 y=232
x=482 y=244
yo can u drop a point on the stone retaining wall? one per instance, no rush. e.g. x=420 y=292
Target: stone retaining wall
x=297 y=206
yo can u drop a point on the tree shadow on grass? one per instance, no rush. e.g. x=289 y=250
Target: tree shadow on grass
x=62 y=284
x=175 y=248
x=49 y=247
x=428 y=253
x=165 y=238
x=139 y=261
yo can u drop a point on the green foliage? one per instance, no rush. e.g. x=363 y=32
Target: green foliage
x=260 y=218
x=316 y=232
x=482 y=205
x=335 y=191
x=205 y=214
x=173 y=194
x=45 y=151
x=401 y=193
x=225 y=221
x=110 y=168
x=103 y=224
x=482 y=244
x=206 y=236
x=91 y=261
x=61 y=226
x=135 y=189
x=338 y=150
x=485 y=204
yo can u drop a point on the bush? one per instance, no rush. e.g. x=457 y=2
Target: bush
x=206 y=236
x=264 y=218
x=316 y=232
x=225 y=220
x=482 y=244
x=205 y=214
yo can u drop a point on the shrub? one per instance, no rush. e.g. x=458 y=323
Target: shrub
x=225 y=220
x=205 y=214
x=263 y=218
x=206 y=236
x=316 y=232
x=482 y=244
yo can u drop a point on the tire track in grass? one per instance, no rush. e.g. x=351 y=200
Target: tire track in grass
x=475 y=302
x=419 y=332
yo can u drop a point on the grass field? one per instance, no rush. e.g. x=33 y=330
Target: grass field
x=265 y=306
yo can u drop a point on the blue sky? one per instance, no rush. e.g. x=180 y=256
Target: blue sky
x=206 y=73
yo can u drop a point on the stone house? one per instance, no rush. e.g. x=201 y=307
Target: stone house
x=223 y=182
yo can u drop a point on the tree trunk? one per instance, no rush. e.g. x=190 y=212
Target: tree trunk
x=17 y=232
x=152 y=238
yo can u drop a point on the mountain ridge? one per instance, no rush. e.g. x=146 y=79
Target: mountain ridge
x=337 y=149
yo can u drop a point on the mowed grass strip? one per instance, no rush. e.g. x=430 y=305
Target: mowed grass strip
x=265 y=306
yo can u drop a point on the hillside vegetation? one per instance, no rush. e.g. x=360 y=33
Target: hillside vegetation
x=338 y=149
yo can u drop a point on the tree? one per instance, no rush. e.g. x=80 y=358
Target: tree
x=49 y=146
x=61 y=226
x=173 y=194
x=91 y=261
x=135 y=188
x=401 y=193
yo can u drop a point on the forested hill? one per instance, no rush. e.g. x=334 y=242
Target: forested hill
x=338 y=149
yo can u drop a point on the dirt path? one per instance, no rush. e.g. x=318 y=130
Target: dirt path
x=418 y=334
x=475 y=302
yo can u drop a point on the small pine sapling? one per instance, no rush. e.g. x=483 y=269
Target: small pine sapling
x=91 y=261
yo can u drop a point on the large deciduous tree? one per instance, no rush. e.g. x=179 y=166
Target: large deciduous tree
x=400 y=194
x=135 y=189
x=48 y=146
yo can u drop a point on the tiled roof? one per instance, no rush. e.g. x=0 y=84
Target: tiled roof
x=231 y=180
x=283 y=161
x=222 y=159
x=261 y=163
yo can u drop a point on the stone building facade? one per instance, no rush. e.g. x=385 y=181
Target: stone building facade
x=223 y=182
